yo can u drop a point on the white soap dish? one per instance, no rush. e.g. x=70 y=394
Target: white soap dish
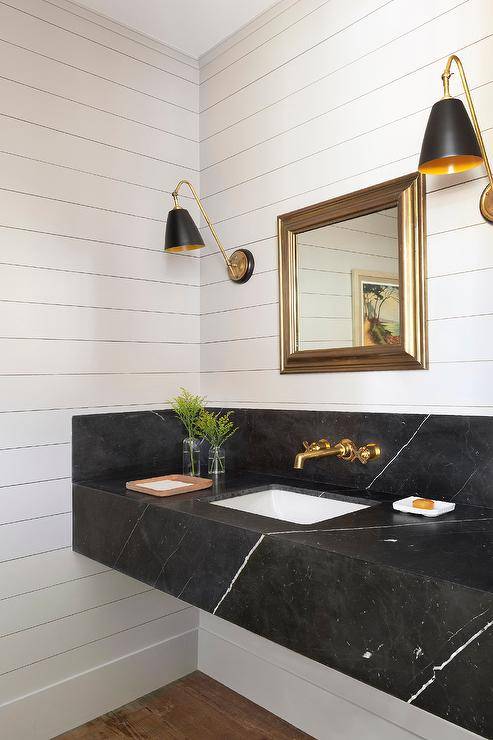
x=406 y=505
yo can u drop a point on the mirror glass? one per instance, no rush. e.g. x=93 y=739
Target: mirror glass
x=347 y=283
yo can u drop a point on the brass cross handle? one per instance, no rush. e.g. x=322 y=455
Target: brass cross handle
x=364 y=454
x=322 y=444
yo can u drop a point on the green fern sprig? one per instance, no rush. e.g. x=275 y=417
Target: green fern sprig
x=216 y=428
x=188 y=409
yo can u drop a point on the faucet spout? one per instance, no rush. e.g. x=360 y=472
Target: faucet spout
x=345 y=450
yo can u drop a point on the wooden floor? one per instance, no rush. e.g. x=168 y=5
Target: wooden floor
x=194 y=708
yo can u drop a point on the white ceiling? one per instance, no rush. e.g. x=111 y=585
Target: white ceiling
x=192 y=26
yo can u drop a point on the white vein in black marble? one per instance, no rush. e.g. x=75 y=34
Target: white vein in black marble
x=398 y=453
x=238 y=572
x=451 y=657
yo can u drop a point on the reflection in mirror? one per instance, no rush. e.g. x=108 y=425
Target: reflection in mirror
x=347 y=278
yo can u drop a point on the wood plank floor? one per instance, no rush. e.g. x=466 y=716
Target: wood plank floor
x=194 y=708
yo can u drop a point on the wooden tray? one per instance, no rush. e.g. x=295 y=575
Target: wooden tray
x=163 y=485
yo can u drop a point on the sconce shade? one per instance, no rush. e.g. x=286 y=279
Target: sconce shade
x=450 y=144
x=181 y=232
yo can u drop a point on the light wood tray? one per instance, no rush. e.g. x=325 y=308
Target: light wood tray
x=194 y=484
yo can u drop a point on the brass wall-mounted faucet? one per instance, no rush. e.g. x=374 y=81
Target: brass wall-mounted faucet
x=345 y=450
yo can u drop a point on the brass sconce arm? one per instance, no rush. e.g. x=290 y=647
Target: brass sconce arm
x=204 y=214
x=241 y=263
x=447 y=73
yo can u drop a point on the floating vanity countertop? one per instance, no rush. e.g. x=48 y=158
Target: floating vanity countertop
x=403 y=603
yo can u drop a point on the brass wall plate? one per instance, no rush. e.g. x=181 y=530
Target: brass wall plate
x=242 y=265
x=408 y=195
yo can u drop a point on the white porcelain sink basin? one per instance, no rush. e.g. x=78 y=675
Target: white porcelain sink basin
x=290 y=506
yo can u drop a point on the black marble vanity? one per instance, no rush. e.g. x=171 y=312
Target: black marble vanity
x=400 y=602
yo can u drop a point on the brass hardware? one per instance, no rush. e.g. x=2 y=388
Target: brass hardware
x=446 y=94
x=344 y=450
x=456 y=161
x=241 y=263
x=486 y=201
x=408 y=194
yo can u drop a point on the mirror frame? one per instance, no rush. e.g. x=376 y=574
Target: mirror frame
x=408 y=194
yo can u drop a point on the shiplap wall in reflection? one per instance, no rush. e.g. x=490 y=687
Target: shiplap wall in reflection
x=317 y=99
x=97 y=123
x=326 y=258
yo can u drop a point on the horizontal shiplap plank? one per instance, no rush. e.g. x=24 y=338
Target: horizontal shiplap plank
x=96 y=98
x=69 y=117
x=441 y=386
x=35 y=212
x=474 y=289
x=34 y=536
x=31 y=428
x=398 y=140
x=40 y=607
x=29 y=464
x=21 y=356
x=241 y=324
x=261 y=288
x=261 y=353
x=284 y=50
x=36 y=32
x=28 y=320
x=461 y=339
x=468 y=248
x=348 y=104
x=39 y=643
x=68 y=185
x=28 y=393
x=87 y=642
x=31 y=500
x=34 y=249
x=109 y=32
x=42 y=137
x=40 y=285
x=261 y=30
x=345 y=47
x=39 y=572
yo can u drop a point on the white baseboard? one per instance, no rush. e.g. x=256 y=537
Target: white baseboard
x=80 y=698
x=318 y=700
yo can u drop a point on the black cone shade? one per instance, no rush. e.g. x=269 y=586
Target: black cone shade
x=181 y=232
x=450 y=143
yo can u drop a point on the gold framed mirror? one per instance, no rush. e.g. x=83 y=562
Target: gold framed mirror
x=352 y=274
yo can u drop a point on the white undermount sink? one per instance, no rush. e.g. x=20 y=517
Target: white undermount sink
x=290 y=506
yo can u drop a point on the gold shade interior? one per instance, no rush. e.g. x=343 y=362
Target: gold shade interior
x=184 y=248
x=449 y=165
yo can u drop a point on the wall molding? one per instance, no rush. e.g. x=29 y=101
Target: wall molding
x=318 y=700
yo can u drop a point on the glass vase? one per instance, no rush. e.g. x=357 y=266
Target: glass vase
x=191 y=456
x=217 y=460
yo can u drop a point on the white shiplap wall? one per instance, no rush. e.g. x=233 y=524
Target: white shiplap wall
x=317 y=99
x=97 y=123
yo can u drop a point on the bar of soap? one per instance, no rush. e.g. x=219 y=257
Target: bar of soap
x=423 y=503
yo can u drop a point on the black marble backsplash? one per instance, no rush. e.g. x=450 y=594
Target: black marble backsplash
x=443 y=457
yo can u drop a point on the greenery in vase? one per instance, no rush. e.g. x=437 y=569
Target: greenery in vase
x=188 y=409
x=216 y=428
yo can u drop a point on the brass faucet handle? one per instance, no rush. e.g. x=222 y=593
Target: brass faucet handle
x=322 y=444
x=368 y=452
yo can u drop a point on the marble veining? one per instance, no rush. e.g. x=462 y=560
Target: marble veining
x=238 y=573
x=437 y=456
x=445 y=663
x=398 y=453
x=402 y=603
